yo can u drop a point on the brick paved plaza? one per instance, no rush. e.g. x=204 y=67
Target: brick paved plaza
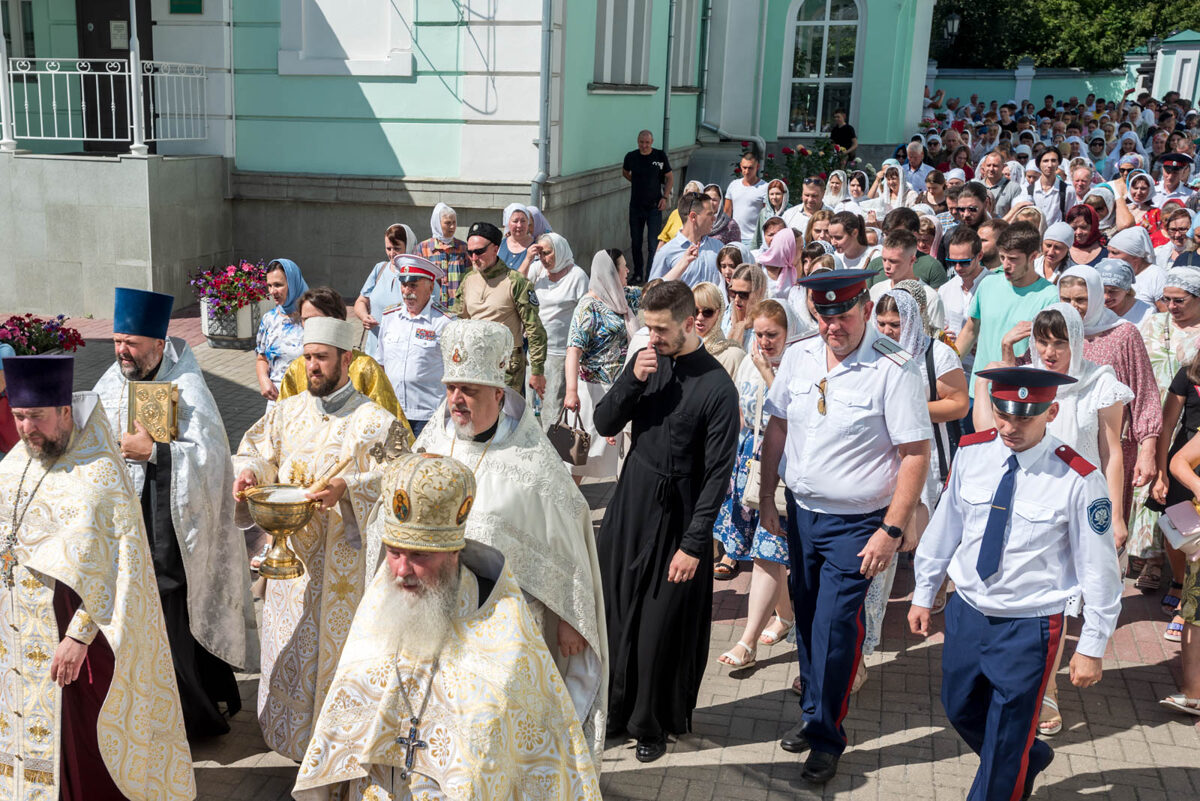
x=1117 y=742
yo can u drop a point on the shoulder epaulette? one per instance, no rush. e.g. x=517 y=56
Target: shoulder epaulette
x=438 y=306
x=1076 y=462
x=977 y=438
x=394 y=307
x=892 y=351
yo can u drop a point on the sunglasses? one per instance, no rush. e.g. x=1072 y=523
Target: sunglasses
x=968 y=209
x=808 y=181
x=957 y=261
x=740 y=295
x=706 y=313
x=821 y=400
x=478 y=251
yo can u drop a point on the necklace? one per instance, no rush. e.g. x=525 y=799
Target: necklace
x=8 y=559
x=491 y=439
x=412 y=741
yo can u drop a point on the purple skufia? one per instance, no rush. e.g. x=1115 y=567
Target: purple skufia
x=35 y=381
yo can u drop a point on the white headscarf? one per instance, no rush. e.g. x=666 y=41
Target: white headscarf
x=912 y=328
x=410 y=238
x=1016 y=172
x=1185 y=278
x=606 y=285
x=1099 y=318
x=747 y=256
x=1105 y=193
x=564 y=259
x=435 y=222
x=1060 y=232
x=538 y=222
x=1074 y=337
x=1145 y=176
x=511 y=209
x=833 y=200
x=1135 y=241
x=885 y=198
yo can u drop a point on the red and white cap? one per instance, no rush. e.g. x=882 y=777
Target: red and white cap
x=409 y=265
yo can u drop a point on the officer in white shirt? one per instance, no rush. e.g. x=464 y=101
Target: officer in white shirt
x=1024 y=530
x=1176 y=167
x=849 y=418
x=408 y=340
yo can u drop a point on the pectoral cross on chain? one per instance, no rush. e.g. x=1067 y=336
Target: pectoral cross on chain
x=410 y=743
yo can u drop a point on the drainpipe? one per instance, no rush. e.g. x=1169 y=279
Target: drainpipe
x=8 y=142
x=756 y=121
x=702 y=110
x=138 y=135
x=538 y=183
x=666 y=129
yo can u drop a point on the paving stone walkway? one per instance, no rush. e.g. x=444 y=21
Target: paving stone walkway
x=1117 y=743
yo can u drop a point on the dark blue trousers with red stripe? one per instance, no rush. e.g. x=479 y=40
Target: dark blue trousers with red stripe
x=828 y=593
x=994 y=674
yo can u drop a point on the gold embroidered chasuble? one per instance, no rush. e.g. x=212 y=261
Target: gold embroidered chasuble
x=499 y=723
x=305 y=620
x=83 y=527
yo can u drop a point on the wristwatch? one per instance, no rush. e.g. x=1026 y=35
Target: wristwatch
x=895 y=532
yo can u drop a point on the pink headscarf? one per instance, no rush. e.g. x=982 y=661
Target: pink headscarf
x=781 y=253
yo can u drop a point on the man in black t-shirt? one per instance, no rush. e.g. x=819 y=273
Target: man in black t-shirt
x=843 y=134
x=649 y=174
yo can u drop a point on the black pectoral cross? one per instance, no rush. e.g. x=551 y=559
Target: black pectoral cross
x=410 y=743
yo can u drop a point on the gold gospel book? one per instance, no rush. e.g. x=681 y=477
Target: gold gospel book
x=156 y=404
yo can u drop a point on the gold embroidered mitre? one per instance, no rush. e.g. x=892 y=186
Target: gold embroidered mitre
x=429 y=497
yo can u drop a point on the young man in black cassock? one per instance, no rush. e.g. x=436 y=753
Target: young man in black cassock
x=656 y=539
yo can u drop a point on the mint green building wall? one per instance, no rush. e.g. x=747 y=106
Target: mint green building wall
x=1105 y=84
x=599 y=129
x=884 y=67
x=999 y=88
x=351 y=125
x=53 y=37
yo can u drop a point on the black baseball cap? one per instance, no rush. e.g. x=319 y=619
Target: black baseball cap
x=488 y=231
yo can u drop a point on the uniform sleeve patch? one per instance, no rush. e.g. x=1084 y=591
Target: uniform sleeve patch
x=533 y=301
x=1099 y=514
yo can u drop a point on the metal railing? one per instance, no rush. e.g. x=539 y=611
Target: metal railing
x=91 y=100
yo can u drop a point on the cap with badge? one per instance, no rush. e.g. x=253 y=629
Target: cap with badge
x=409 y=267
x=488 y=231
x=141 y=313
x=1024 y=391
x=426 y=500
x=836 y=291
x=341 y=334
x=1175 y=160
x=37 y=381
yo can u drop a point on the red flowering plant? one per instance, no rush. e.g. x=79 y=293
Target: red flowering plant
x=229 y=288
x=793 y=165
x=29 y=335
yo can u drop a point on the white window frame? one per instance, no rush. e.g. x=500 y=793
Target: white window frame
x=855 y=82
x=633 y=72
x=295 y=32
x=16 y=29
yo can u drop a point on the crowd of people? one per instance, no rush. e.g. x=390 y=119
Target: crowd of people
x=981 y=357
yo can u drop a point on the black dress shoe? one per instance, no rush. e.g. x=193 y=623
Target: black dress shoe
x=820 y=767
x=649 y=750
x=1031 y=774
x=794 y=740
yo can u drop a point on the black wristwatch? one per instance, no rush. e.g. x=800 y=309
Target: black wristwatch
x=895 y=532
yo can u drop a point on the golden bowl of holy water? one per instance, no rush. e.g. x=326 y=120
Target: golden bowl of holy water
x=281 y=510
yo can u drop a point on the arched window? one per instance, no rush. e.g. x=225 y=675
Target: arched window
x=822 y=78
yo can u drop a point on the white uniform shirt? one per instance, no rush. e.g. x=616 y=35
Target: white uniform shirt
x=412 y=357
x=846 y=460
x=1161 y=195
x=1059 y=540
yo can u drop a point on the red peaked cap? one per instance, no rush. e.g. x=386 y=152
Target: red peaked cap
x=835 y=291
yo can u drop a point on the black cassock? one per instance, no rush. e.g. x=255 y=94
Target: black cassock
x=203 y=679
x=685 y=427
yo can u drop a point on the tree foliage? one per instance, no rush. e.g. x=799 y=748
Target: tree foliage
x=1088 y=34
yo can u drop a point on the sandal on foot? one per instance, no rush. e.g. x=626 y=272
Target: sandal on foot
x=1181 y=703
x=1170 y=601
x=1150 y=579
x=798 y=686
x=1174 y=632
x=257 y=560
x=730 y=659
x=1052 y=724
x=769 y=637
x=724 y=571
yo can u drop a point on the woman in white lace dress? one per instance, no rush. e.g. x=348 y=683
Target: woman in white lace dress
x=1090 y=415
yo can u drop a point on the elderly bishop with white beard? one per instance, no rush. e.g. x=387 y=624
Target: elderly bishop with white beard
x=528 y=508
x=445 y=689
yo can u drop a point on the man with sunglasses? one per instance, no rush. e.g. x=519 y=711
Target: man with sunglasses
x=1001 y=190
x=491 y=291
x=1175 y=168
x=848 y=415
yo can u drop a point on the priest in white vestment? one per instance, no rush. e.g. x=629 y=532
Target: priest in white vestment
x=89 y=709
x=528 y=508
x=305 y=620
x=445 y=689
x=200 y=560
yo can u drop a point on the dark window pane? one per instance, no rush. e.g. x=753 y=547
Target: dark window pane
x=807 y=63
x=837 y=95
x=840 y=61
x=811 y=11
x=803 y=117
x=843 y=9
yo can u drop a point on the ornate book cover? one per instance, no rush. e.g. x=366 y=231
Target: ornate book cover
x=156 y=404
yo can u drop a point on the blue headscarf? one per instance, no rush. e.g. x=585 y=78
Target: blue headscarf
x=295 y=281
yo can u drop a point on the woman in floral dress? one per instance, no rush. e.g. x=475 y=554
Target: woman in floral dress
x=280 y=335
x=775 y=326
x=597 y=341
